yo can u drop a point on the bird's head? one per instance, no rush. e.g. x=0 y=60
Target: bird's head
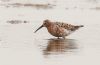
x=46 y=23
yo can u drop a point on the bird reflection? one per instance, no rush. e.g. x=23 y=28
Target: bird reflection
x=59 y=46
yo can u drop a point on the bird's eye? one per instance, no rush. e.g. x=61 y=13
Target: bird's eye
x=44 y=23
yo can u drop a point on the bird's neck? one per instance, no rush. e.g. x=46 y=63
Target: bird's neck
x=51 y=24
x=50 y=27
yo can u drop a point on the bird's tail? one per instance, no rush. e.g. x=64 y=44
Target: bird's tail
x=77 y=27
x=81 y=26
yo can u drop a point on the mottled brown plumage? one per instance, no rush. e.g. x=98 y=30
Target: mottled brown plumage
x=59 y=29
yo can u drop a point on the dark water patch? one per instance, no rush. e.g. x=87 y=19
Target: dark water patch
x=17 y=21
x=59 y=46
x=5 y=0
x=95 y=8
x=83 y=8
x=38 y=6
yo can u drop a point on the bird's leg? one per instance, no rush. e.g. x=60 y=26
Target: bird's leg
x=64 y=37
x=58 y=38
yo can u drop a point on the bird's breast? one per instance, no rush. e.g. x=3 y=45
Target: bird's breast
x=57 y=31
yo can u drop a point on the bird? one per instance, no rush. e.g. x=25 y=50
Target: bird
x=59 y=29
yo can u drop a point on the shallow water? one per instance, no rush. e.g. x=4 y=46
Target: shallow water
x=57 y=46
x=19 y=45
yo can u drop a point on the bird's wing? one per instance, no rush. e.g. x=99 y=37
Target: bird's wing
x=68 y=26
x=65 y=25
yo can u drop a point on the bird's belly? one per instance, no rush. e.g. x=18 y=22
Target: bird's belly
x=68 y=32
x=60 y=32
x=56 y=34
x=65 y=33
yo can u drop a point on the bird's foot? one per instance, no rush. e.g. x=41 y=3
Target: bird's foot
x=58 y=38
x=64 y=37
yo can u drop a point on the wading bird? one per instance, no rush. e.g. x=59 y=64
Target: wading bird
x=59 y=29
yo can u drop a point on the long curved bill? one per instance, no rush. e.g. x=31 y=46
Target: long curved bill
x=38 y=28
